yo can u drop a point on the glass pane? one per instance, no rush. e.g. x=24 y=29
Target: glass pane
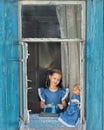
x=69 y=17
x=49 y=21
x=39 y=21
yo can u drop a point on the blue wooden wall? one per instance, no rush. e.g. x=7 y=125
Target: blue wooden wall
x=9 y=116
x=95 y=65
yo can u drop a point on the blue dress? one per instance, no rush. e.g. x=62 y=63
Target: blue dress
x=50 y=97
x=71 y=116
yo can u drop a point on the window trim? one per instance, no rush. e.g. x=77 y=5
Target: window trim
x=81 y=41
x=21 y=3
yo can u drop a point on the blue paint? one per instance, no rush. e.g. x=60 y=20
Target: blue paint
x=2 y=69
x=42 y=123
x=9 y=114
x=94 y=65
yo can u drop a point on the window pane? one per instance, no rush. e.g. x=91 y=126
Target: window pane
x=49 y=21
x=39 y=21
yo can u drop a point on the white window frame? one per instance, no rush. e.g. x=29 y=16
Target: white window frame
x=25 y=2
x=81 y=41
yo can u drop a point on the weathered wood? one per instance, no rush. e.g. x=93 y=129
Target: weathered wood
x=94 y=65
x=9 y=118
x=2 y=68
x=83 y=127
x=48 y=123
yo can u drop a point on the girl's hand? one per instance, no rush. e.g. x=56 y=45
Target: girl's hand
x=49 y=105
x=60 y=106
x=42 y=104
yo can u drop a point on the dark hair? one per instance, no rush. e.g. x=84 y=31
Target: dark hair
x=51 y=72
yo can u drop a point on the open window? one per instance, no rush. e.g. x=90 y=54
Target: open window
x=55 y=34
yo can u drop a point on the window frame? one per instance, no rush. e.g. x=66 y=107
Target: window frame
x=80 y=41
x=82 y=3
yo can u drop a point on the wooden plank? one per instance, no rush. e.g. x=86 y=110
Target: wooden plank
x=47 y=123
x=94 y=65
x=9 y=118
x=50 y=40
x=3 y=126
x=11 y=27
x=49 y=2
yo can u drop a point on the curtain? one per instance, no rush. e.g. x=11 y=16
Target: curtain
x=69 y=20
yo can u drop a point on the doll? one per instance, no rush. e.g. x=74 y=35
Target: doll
x=71 y=115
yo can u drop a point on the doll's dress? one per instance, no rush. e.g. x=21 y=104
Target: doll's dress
x=71 y=115
x=50 y=97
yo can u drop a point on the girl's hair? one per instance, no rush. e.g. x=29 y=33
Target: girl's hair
x=77 y=86
x=51 y=72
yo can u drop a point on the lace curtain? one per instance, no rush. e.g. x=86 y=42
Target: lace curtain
x=69 y=20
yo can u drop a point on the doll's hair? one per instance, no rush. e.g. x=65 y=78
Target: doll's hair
x=51 y=72
x=77 y=86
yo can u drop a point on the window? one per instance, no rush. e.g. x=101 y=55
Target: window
x=55 y=34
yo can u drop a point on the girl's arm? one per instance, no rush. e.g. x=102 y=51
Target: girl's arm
x=63 y=105
x=42 y=104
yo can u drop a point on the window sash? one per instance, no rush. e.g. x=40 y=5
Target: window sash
x=26 y=2
x=80 y=41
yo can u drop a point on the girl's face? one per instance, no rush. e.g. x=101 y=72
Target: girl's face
x=76 y=91
x=54 y=79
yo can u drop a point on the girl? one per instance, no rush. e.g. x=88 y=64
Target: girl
x=53 y=93
x=71 y=115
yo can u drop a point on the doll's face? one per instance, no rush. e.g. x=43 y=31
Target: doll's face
x=76 y=91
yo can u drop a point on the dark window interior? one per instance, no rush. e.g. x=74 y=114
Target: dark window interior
x=39 y=21
x=43 y=56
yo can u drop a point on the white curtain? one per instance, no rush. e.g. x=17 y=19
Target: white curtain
x=69 y=20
